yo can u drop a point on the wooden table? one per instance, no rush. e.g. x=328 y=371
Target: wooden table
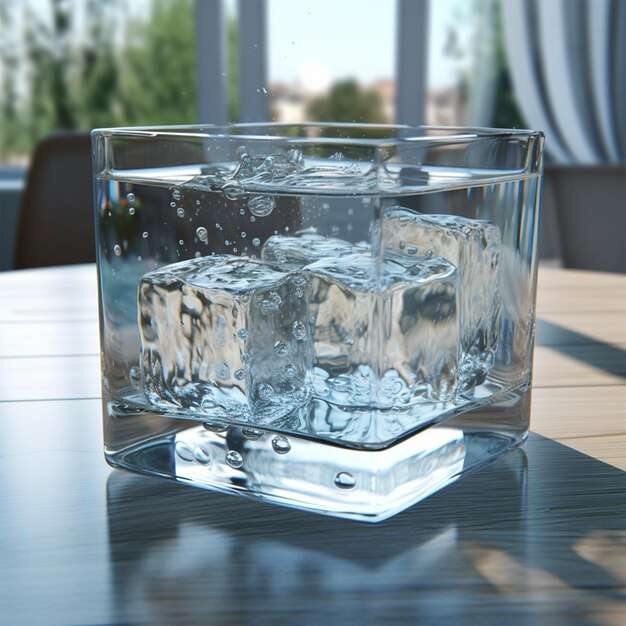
x=539 y=537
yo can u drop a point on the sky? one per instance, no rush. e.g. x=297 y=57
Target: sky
x=319 y=41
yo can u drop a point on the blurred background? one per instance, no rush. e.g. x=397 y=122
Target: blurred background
x=67 y=66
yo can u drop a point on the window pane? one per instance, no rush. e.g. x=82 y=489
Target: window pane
x=330 y=60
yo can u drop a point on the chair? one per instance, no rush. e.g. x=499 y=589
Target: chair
x=56 y=224
x=590 y=204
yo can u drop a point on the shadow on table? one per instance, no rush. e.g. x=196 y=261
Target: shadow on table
x=532 y=535
x=599 y=354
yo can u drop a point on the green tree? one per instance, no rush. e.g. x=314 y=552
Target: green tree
x=69 y=77
x=347 y=102
x=488 y=40
x=48 y=54
x=506 y=112
x=12 y=140
x=158 y=82
x=80 y=74
x=98 y=81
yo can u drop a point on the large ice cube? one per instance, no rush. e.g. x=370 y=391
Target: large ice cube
x=386 y=337
x=473 y=246
x=305 y=247
x=220 y=334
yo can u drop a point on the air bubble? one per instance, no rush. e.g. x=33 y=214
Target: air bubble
x=272 y=302
x=215 y=427
x=245 y=357
x=180 y=211
x=261 y=206
x=234 y=459
x=172 y=204
x=144 y=234
x=281 y=257
x=252 y=434
x=239 y=374
x=345 y=480
x=181 y=242
x=298 y=330
x=184 y=451
x=202 y=233
x=391 y=386
x=130 y=197
x=265 y=391
x=222 y=371
x=117 y=249
x=135 y=375
x=350 y=211
x=281 y=348
x=201 y=455
x=256 y=241
x=289 y=370
x=243 y=234
x=242 y=334
x=233 y=190
x=176 y=194
x=131 y=210
x=280 y=444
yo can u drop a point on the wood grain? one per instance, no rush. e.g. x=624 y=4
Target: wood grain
x=576 y=415
x=582 y=328
x=587 y=300
x=537 y=537
x=49 y=378
x=573 y=366
x=49 y=339
x=550 y=279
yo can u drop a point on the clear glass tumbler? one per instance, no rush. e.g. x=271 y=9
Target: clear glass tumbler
x=337 y=318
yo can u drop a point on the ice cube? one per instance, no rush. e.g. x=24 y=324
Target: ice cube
x=387 y=338
x=217 y=336
x=305 y=247
x=473 y=246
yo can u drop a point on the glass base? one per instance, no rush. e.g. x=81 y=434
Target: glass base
x=314 y=475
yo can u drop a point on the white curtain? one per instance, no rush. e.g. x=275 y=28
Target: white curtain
x=567 y=61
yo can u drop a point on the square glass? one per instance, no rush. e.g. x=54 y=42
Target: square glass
x=335 y=317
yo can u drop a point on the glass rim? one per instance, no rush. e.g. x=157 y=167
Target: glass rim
x=250 y=131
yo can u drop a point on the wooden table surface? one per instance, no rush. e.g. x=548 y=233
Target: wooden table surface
x=538 y=537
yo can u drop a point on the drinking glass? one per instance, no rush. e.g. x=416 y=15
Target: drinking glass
x=333 y=317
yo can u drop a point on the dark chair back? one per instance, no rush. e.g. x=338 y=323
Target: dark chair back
x=591 y=214
x=56 y=218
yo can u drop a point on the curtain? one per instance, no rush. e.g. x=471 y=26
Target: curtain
x=567 y=61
